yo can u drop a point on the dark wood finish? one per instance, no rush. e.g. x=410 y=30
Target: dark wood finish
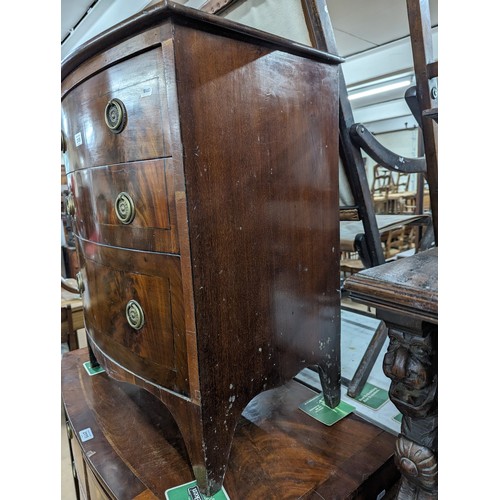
x=432 y=69
x=406 y=285
x=150 y=186
x=419 y=20
x=405 y=294
x=250 y=122
x=112 y=278
x=155 y=16
x=138 y=84
x=383 y=156
x=278 y=451
x=360 y=377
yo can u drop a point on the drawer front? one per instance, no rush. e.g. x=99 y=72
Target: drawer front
x=129 y=205
x=139 y=86
x=134 y=311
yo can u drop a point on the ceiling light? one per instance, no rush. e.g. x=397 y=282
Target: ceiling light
x=379 y=90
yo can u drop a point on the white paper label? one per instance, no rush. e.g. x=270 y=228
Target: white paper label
x=86 y=434
x=78 y=139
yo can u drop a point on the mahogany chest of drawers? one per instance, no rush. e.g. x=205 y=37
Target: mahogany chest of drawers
x=202 y=163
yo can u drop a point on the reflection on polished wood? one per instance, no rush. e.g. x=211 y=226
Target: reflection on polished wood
x=279 y=452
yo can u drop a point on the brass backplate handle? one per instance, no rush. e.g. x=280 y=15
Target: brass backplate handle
x=115 y=115
x=134 y=314
x=124 y=208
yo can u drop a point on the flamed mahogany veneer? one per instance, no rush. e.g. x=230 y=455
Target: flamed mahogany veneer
x=202 y=162
x=278 y=451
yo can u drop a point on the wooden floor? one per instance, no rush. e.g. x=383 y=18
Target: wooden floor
x=360 y=328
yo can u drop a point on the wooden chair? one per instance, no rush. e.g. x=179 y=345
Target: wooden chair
x=405 y=293
x=71 y=313
x=383 y=181
x=394 y=242
x=69 y=334
x=382 y=187
x=350 y=264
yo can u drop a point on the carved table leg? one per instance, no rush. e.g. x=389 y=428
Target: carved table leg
x=411 y=364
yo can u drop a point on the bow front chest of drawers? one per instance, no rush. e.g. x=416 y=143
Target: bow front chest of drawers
x=202 y=163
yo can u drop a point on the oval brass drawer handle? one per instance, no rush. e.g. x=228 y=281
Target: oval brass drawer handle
x=69 y=431
x=115 y=115
x=124 y=208
x=135 y=314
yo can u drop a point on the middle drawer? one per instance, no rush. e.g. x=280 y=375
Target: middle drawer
x=128 y=205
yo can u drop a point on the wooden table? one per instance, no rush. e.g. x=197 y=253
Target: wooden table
x=350 y=229
x=279 y=452
x=392 y=203
x=405 y=295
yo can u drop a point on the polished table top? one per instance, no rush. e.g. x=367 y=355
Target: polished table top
x=279 y=452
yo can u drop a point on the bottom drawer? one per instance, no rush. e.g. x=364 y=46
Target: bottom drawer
x=134 y=311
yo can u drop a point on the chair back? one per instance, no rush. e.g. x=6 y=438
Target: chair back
x=426 y=75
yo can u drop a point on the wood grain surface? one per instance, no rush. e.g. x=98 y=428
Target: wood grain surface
x=279 y=452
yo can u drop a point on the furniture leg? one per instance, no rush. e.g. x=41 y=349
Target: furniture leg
x=329 y=375
x=93 y=360
x=367 y=361
x=411 y=364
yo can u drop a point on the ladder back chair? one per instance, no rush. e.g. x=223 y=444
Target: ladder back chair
x=405 y=293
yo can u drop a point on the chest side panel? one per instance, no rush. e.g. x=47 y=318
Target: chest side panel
x=260 y=139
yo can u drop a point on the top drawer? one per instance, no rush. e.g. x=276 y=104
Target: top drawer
x=118 y=115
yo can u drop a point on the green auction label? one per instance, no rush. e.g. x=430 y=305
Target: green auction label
x=92 y=371
x=318 y=409
x=190 y=491
x=372 y=396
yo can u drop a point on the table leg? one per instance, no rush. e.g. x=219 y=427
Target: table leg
x=411 y=364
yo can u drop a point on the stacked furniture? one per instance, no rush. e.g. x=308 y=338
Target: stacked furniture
x=205 y=209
